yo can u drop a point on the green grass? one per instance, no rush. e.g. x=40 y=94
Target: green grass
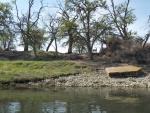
x=11 y=71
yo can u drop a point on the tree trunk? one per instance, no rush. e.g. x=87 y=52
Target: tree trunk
x=5 y=45
x=51 y=41
x=91 y=56
x=56 y=47
x=70 y=44
x=90 y=53
x=26 y=48
x=146 y=39
x=34 y=50
x=101 y=49
x=70 y=41
x=26 y=45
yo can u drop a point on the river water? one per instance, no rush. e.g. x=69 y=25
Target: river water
x=75 y=100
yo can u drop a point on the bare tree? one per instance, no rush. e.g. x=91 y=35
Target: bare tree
x=148 y=34
x=145 y=40
x=122 y=16
x=27 y=21
x=52 y=25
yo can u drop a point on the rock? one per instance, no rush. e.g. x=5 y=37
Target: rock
x=124 y=71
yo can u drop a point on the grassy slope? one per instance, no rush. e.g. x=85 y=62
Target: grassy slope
x=11 y=71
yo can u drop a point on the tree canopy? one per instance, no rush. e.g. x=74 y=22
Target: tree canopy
x=80 y=24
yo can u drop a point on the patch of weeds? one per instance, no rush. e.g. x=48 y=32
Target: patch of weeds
x=2 y=72
x=1 y=64
x=26 y=64
x=17 y=74
x=18 y=70
x=17 y=64
x=35 y=65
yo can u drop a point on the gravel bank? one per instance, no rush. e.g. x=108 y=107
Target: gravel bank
x=96 y=80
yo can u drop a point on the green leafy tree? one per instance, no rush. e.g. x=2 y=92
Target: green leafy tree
x=87 y=10
x=36 y=39
x=6 y=24
x=68 y=28
x=79 y=45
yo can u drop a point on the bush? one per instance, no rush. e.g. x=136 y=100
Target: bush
x=126 y=51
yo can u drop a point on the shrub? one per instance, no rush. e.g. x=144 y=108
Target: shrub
x=126 y=51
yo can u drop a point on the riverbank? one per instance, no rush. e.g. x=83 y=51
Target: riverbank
x=66 y=73
x=95 y=79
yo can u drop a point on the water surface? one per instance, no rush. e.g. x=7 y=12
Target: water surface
x=75 y=100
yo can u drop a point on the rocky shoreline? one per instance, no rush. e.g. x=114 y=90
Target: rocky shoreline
x=95 y=80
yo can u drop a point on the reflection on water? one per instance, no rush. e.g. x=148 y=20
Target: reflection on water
x=75 y=100
x=10 y=107
x=54 y=107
